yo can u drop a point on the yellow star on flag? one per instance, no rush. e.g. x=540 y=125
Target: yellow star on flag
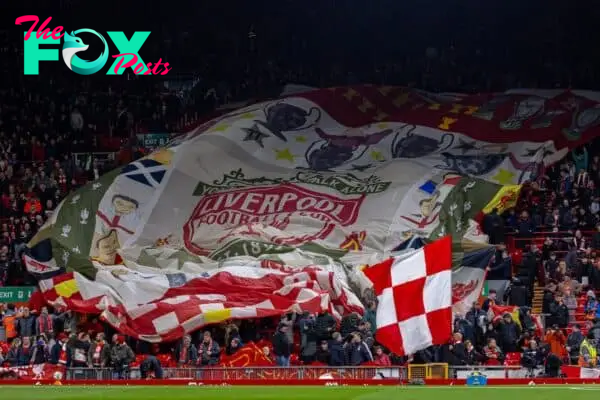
x=382 y=125
x=219 y=128
x=284 y=154
x=504 y=177
x=301 y=139
x=377 y=156
x=67 y=288
x=247 y=116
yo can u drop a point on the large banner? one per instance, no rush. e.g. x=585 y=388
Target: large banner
x=33 y=372
x=332 y=179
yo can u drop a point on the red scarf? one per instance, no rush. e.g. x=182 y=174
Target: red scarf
x=97 y=359
x=62 y=358
x=45 y=324
x=183 y=356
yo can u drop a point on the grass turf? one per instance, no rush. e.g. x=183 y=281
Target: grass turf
x=540 y=392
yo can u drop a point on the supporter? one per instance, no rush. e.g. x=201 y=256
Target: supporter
x=357 y=351
x=99 y=352
x=591 y=305
x=208 y=350
x=517 y=294
x=59 y=353
x=349 y=324
x=288 y=320
x=267 y=353
x=574 y=343
x=308 y=337
x=282 y=346
x=324 y=326
x=477 y=319
x=509 y=333
x=151 y=367
x=532 y=357
x=25 y=351
x=370 y=316
x=455 y=352
x=551 y=264
x=588 y=356
x=70 y=320
x=336 y=350
x=492 y=353
x=234 y=345
x=323 y=355
x=559 y=313
x=25 y=323
x=571 y=303
x=364 y=330
x=121 y=357
x=186 y=353
x=472 y=356
x=13 y=357
x=39 y=355
x=45 y=322
x=493 y=226
x=79 y=347
x=555 y=338
x=380 y=358
x=9 y=317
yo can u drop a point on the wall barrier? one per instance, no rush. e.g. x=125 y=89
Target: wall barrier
x=398 y=373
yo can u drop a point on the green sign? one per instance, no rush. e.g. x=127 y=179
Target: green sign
x=16 y=294
x=485 y=290
x=153 y=140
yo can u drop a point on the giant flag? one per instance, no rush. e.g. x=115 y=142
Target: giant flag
x=329 y=179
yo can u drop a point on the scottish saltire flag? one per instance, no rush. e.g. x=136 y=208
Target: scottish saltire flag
x=414 y=242
x=146 y=171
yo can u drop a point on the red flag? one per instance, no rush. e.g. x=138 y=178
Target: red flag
x=415 y=298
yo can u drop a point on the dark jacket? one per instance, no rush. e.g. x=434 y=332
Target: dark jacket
x=455 y=354
x=324 y=326
x=574 y=342
x=281 y=345
x=560 y=314
x=323 y=356
x=39 y=354
x=349 y=324
x=25 y=326
x=357 y=354
x=509 y=334
x=337 y=353
x=54 y=357
x=189 y=358
x=204 y=349
x=473 y=357
x=121 y=355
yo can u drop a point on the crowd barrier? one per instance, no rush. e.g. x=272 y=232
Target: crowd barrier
x=399 y=373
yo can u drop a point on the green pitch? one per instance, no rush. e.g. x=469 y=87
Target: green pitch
x=539 y=392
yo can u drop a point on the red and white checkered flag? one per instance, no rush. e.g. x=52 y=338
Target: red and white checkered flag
x=415 y=298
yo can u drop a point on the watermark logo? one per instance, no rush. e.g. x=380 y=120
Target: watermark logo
x=128 y=50
x=74 y=45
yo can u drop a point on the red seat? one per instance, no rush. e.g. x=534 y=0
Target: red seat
x=512 y=359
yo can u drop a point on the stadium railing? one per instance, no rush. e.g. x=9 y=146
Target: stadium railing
x=425 y=371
